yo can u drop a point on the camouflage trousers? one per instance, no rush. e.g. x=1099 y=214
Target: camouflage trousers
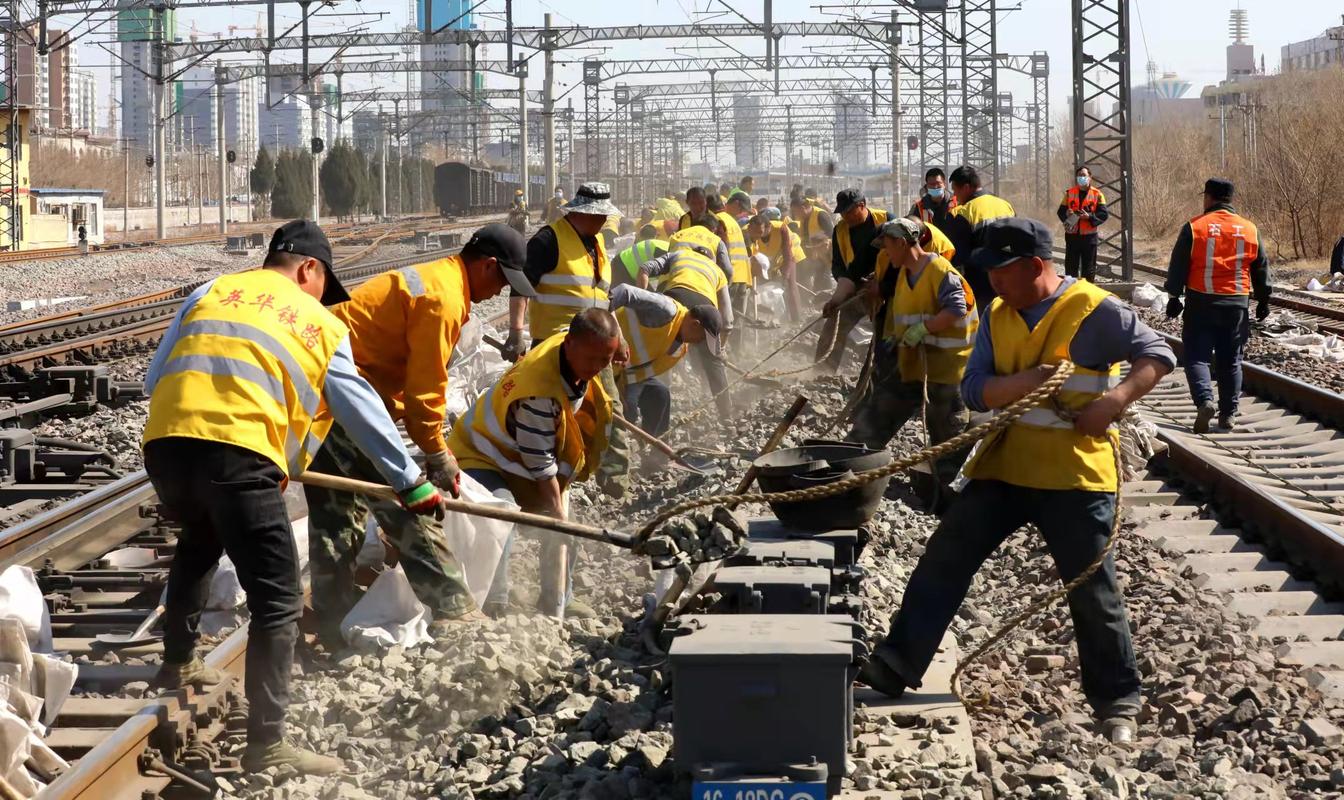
x=336 y=533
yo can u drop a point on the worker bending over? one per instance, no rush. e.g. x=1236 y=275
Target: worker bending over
x=743 y=284
x=930 y=323
x=935 y=205
x=815 y=227
x=695 y=272
x=697 y=204
x=243 y=388
x=538 y=430
x=1218 y=258
x=975 y=209
x=1055 y=467
x=404 y=325
x=853 y=264
x=567 y=265
x=625 y=264
x=771 y=237
x=657 y=331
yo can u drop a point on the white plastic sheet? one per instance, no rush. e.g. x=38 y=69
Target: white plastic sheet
x=1147 y=295
x=473 y=368
x=21 y=598
x=387 y=615
x=477 y=542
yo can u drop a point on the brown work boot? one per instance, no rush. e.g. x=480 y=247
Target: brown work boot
x=193 y=673
x=283 y=754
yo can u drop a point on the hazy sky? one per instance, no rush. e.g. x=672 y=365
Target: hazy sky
x=1187 y=37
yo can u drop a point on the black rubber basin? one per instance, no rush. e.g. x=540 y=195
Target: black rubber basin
x=817 y=463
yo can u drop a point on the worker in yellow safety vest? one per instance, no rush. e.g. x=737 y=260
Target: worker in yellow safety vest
x=815 y=226
x=697 y=271
x=541 y=428
x=771 y=237
x=567 y=264
x=696 y=203
x=975 y=209
x=854 y=262
x=247 y=380
x=929 y=325
x=742 y=285
x=404 y=326
x=1054 y=467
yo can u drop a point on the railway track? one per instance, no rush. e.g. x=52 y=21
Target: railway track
x=106 y=330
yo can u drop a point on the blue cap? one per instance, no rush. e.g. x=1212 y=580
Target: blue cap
x=1012 y=238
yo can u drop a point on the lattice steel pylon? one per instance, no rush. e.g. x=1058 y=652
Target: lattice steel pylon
x=592 y=95
x=1101 y=120
x=1040 y=129
x=980 y=88
x=11 y=131
x=934 y=88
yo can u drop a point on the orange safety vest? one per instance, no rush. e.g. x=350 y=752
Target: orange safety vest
x=1224 y=246
x=1084 y=205
x=926 y=213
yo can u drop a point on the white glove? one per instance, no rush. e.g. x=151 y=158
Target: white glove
x=441 y=469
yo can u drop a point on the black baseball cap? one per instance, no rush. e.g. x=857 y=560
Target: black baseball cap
x=1218 y=188
x=1009 y=239
x=305 y=237
x=709 y=318
x=509 y=248
x=847 y=199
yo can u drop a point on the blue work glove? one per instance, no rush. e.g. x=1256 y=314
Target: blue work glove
x=914 y=335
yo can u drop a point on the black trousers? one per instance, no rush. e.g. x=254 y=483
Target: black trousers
x=228 y=500
x=1080 y=256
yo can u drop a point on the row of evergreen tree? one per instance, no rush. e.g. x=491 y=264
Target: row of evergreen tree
x=350 y=183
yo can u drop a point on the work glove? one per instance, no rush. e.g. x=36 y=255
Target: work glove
x=443 y=472
x=1262 y=310
x=423 y=499
x=914 y=335
x=1174 y=308
x=514 y=346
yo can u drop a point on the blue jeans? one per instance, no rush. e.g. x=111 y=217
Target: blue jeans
x=551 y=543
x=1215 y=335
x=1075 y=525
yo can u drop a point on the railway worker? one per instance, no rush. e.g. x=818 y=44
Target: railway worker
x=658 y=330
x=742 y=283
x=1082 y=211
x=772 y=238
x=933 y=240
x=725 y=189
x=929 y=326
x=555 y=206
x=697 y=271
x=815 y=226
x=567 y=264
x=404 y=325
x=1056 y=471
x=648 y=246
x=541 y=428
x=853 y=264
x=1218 y=263
x=243 y=387
x=747 y=184
x=739 y=205
x=697 y=204
x=762 y=204
x=975 y=209
x=936 y=203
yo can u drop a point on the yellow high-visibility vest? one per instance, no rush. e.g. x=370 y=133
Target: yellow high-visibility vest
x=737 y=248
x=1042 y=450
x=481 y=440
x=248 y=370
x=575 y=284
x=653 y=351
x=772 y=246
x=945 y=352
x=691 y=269
x=982 y=210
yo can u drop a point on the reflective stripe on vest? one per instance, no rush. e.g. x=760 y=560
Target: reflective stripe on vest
x=651 y=351
x=689 y=269
x=415 y=285
x=1043 y=450
x=696 y=237
x=737 y=249
x=575 y=284
x=984 y=209
x=247 y=369
x=945 y=353
x=1223 y=247
x=481 y=440
x=636 y=254
x=1083 y=207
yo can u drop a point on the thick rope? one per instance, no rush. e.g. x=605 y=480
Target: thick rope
x=1041 y=603
x=1006 y=417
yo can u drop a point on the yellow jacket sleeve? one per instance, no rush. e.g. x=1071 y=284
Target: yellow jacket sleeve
x=432 y=330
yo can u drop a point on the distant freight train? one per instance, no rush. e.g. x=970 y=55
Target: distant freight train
x=462 y=190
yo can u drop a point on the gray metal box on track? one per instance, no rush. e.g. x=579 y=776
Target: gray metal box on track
x=773 y=590
x=786 y=552
x=845 y=541
x=755 y=694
